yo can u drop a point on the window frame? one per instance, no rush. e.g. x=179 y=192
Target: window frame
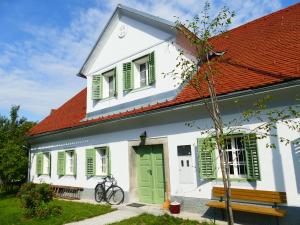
x=235 y=159
x=46 y=170
x=137 y=73
x=99 y=161
x=105 y=84
x=68 y=164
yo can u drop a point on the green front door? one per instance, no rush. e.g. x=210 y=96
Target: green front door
x=150 y=174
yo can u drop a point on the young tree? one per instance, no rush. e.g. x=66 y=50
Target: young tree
x=199 y=72
x=13 y=148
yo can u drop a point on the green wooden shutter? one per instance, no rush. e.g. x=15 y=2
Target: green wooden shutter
x=128 y=76
x=61 y=163
x=90 y=162
x=39 y=163
x=49 y=166
x=97 y=87
x=151 y=64
x=207 y=159
x=108 y=155
x=74 y=163
x=252 y=160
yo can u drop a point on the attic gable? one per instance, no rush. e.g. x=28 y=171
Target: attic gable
x=127 y=32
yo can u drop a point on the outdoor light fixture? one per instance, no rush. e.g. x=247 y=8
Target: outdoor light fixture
x=143 y=137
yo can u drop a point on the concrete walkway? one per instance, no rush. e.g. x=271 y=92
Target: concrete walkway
x=125 y=212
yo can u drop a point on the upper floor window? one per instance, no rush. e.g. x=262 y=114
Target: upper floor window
x=104 y=85
x=139 y=73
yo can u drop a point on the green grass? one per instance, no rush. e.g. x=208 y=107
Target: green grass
x=11 y=212
x=147 y=219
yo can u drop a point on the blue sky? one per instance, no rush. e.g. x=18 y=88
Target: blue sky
x=43 y=44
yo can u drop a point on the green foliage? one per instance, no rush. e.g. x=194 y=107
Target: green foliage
x=147 y=219
x=13 y=148
x=12 y=213
x=35 y=199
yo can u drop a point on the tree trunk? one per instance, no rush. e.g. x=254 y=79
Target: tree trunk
x=224 y=164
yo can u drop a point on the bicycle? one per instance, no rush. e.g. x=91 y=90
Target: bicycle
x=112 y=194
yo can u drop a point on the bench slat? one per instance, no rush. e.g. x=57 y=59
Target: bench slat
x=249 y=208
x=253 y=195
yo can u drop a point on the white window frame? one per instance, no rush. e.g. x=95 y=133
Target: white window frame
x=235 y=160
x=46 y=163
x=105 y=84
x=69 y=170
x=137 y=75
x=100 y=160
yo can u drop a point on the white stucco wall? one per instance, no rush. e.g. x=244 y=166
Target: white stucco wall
x=276 y=166
x=140 y=40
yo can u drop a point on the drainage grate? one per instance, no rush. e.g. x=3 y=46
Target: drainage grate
x=136 y=205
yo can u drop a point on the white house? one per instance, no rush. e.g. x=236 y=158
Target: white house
x=97 y=132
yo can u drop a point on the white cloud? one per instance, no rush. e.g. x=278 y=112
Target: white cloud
x=39 y=73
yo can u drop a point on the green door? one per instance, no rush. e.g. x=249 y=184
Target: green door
x=150 y=174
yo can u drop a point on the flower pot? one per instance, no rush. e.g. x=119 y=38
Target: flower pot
x=175 y=207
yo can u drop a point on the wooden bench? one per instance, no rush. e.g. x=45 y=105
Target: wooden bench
x=251 y=201
x=66 y=192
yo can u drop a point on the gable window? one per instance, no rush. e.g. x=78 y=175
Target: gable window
x=139 y=73
x=97 y=161
x=143 y=74
x=242 y=155
x=43 y=163
x=104 y=85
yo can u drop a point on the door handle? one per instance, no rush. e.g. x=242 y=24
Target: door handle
x=149 y=171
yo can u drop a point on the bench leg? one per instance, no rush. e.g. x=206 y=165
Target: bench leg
x=223 y=214
x=214 y=212
x=277 y=220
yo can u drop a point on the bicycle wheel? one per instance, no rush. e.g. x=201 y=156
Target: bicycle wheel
x=99 y=193
x=114 y=195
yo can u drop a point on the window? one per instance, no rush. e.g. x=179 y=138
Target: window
x=242 y=155
x=236 y=157
x=101 y=161
x=66 y=163
x=70 y=162
x=143 y=74
x=104 y=85
x=97 y=161
x=139 y=73
x=111 y=88
x=109 y=84
x=43 y=163
x=46 y=169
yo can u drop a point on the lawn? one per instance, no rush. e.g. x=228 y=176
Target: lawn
x=147 y=219
x=11 y=212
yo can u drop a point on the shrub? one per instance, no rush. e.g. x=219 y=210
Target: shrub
x=35 y=199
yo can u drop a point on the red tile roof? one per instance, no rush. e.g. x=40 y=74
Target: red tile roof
x=263 y=52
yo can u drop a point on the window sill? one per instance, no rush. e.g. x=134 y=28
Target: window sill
x=101 y=176
x=236 y=180
x=70 y=175
x=106 y=99
x=141 y=88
